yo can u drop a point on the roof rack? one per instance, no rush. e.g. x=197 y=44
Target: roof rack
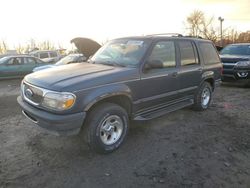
x=167 y=34
x=190 y=36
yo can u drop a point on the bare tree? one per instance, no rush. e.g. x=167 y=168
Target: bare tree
x=194 y=22
x=46 y=45
x=20 y=49
x=199 y=25
x=244 y=37
x=3 y=47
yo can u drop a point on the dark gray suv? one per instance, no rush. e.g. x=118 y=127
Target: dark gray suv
x=134 y=78
x=236 y=63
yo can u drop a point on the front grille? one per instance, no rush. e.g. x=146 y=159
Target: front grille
x=32 y=94
x=228 y=65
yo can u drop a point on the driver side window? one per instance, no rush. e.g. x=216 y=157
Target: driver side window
x=163 y=54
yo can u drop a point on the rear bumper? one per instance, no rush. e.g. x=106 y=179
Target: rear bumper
x=69 y=124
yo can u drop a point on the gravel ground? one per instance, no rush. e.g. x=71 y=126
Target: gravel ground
x=181 y=149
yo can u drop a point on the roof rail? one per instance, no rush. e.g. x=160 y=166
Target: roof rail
x=199 y=37
x=167 y=34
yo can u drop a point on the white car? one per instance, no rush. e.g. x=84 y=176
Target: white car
x=72 y=58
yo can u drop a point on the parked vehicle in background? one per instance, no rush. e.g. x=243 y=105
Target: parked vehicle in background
x=72 y=58
x=48 y=56
x=236 y=63
x=16 y=66
x=134 y=78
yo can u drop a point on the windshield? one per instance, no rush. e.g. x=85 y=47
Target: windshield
x=236 y=50
x=68 y=59
x=124 y=52
x=3 y=59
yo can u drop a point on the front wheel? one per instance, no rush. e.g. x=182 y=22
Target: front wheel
x=203 y=97
x=107 y=127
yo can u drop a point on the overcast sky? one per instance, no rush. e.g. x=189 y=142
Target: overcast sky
x=60 y=21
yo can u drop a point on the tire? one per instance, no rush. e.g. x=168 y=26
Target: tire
x=100 y=134
x=203 y=97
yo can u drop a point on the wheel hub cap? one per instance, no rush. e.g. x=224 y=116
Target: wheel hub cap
x=111 y=129
x=205 y=97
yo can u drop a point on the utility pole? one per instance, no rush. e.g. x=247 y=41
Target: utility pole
x=221 y=37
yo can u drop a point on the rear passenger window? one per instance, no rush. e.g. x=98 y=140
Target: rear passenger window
x=209 y=53
x=29 y=61
x=188 y=53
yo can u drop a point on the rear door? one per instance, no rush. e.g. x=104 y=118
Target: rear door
x=29 y=64
x=190 y=70
x=211 y=59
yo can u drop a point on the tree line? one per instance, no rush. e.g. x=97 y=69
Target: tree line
x=197 y=24
x=30 y=46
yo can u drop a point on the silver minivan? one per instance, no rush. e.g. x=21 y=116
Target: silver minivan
x=48 y=56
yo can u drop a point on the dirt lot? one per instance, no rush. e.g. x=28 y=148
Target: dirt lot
x=182 y=149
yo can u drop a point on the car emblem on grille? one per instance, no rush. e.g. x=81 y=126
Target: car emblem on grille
x=29 y=93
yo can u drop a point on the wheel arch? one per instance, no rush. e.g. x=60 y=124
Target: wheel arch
x=119 y=98
x=208 y=77
x=211 y=82
x=119 y=95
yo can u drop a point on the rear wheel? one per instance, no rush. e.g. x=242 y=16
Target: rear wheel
x=203 y=97
x=106 y=127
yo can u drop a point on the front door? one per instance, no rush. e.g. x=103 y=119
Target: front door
x=11 y=68
x=159 y=82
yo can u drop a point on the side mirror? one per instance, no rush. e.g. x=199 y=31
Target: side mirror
x=153 y=64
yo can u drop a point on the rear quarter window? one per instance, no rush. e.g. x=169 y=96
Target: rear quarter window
x=209 y=53
x=44 y=55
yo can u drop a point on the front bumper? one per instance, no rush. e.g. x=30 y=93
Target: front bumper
x=69 y=124
x=236 y=74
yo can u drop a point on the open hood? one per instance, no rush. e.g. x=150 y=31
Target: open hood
x=86 y=46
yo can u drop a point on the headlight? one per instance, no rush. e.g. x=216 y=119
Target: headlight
x=58 y=101
x=243 y=64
